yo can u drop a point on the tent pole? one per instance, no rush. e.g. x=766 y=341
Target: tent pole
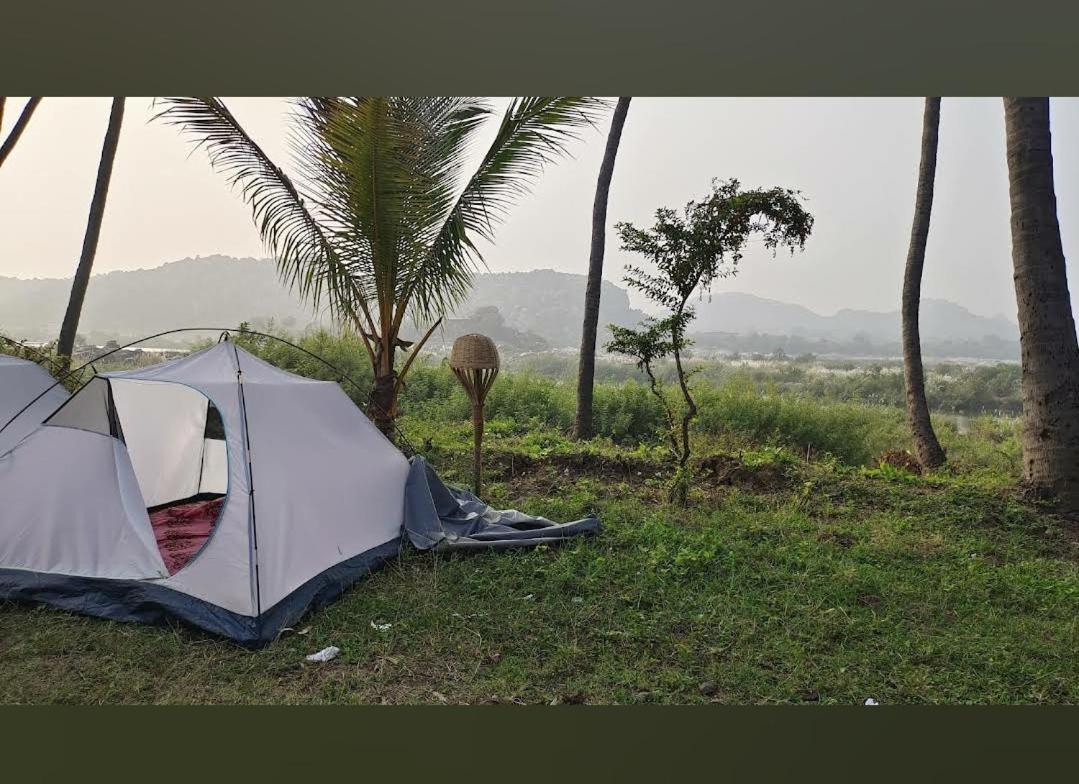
x=250 y=486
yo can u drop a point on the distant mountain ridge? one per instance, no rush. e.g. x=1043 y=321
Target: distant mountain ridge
x=212 y=291
x=939 y=320
x=534 y=308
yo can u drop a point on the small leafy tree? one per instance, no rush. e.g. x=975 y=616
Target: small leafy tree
x=688 y=253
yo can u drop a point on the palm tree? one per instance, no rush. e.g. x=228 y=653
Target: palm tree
x=1050 y=353
x=381 y=222
x=66 y=344
x=18 y=127
x=586 y=371
x=926 y=446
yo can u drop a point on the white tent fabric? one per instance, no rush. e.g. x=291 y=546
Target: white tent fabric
x=87 y=519
x=163 y=427
x=20 y=383
x=310 y=485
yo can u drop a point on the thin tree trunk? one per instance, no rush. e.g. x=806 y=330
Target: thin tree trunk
x=586 y=372
x=1050 y=352
x=691 y=404
x=926 y=446
x=81 y=282
x=654 y=386
x=18 y=128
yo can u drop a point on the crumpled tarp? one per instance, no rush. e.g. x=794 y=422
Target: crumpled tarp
x=443 y=518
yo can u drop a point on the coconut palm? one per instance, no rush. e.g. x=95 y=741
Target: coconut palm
x=381 y=222
x=1050 y=353
x=66 y=344
x=926 y=446
x=586 y=371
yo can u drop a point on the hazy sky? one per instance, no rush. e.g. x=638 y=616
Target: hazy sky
x=854 y=158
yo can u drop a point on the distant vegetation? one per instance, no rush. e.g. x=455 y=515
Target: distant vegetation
x=850 y=411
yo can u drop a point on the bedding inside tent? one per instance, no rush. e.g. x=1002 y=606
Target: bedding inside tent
x=176 y=440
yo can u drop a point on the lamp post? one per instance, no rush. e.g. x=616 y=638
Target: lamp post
x=474 y=360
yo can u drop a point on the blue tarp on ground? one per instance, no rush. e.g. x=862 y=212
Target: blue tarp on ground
x=443 y=518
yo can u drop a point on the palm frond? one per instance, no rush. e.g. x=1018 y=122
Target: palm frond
x=305 y=255
x=387 y=171
x=383 y=216
x=534 y=131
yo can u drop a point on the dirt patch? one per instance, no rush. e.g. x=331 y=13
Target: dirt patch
x=510 y=465
x=904 y=461
x=844 y=540
x=733 y=472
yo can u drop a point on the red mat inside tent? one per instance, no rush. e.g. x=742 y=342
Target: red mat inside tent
x=182 y=530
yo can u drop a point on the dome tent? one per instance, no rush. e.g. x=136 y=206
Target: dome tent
x=307 y=497
x=28 y=394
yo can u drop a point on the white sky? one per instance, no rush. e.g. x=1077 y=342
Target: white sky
x=855 y=159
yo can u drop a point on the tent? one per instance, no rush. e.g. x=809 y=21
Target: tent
x=217 y=489
x=214 y=488
x=28 y=394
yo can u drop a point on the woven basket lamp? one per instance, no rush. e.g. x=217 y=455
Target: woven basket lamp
x=474 y=360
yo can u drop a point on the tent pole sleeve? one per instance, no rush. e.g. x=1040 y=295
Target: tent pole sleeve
x=250 y=482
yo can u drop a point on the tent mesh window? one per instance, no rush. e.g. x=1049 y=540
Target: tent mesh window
x=175 y=439
x=87 y=410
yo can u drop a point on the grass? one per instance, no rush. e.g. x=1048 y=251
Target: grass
x=803 y=571
x=791 y=582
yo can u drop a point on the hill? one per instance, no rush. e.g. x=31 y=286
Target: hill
x=213 y=291
x=535 y=310
x=941 y=320
x=543 y=307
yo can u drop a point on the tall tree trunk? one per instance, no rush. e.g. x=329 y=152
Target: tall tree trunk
x=926 y=446
x=17 y=129
x=1050 y=352
x=66 y=343
x=586 y=371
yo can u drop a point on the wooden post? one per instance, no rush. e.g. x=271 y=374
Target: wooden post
x=474 y=360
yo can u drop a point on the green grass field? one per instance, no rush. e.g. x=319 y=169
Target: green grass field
x=786 y=581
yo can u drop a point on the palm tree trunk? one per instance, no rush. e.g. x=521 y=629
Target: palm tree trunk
x=382 y=401
x=1050 y=352
x=66 y=343
x=926 y=446
x=382 y=408
x=18 y=128
x=586 y=372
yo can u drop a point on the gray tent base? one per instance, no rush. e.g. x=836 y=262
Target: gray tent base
x=436 y=517
x=145 y=602
x=446 y=519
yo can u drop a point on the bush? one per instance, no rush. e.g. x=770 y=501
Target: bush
x=852 y=432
